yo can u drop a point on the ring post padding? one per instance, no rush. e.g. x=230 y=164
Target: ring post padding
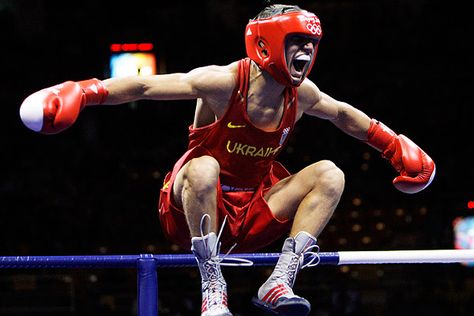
x=147 y=286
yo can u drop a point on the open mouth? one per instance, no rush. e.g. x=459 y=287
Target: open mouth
x=299 y=64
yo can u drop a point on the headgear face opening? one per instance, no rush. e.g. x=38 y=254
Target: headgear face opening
x=265 y=41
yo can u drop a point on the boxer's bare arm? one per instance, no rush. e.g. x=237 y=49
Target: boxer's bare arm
x=208 y=83
x=346 y=117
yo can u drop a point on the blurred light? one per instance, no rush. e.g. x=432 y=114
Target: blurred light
x=423 y=210
x=150 y=248
x=463 y=229
x=399 y=212
x=470 y=205
x=356 y=201
x=115 y=48
x=380 y=226
x=145 y=47
x=132 y=64
x=366 y=240
x=67 y=279
x=356 y=228
x=175 y=248
x=130 y=47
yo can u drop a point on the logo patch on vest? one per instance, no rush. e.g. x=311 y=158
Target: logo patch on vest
x=230 y=125
x=285 y=133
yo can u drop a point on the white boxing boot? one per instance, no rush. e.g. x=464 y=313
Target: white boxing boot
x=276 y=294
x=213 y=285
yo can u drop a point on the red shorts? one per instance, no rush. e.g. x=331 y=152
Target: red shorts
x=250 y=223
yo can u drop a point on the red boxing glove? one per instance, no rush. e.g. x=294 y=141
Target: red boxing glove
x=52 y=110
x=416 y=168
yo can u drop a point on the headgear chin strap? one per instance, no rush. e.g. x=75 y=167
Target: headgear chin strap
x=265 y=41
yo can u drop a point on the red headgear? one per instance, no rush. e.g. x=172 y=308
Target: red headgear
x=265 y=41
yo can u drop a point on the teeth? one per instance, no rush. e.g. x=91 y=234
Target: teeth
x=303 y=58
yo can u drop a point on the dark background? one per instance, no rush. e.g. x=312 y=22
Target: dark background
x=93 y=189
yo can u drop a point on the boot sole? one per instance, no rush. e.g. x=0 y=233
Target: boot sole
x=285 y=307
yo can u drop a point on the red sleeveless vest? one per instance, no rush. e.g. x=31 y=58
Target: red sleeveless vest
x=245 y=152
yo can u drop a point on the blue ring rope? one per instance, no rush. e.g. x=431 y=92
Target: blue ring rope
x=130 y=261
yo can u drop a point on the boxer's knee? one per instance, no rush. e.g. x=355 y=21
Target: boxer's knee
x=200 y=175
x=328 y=178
